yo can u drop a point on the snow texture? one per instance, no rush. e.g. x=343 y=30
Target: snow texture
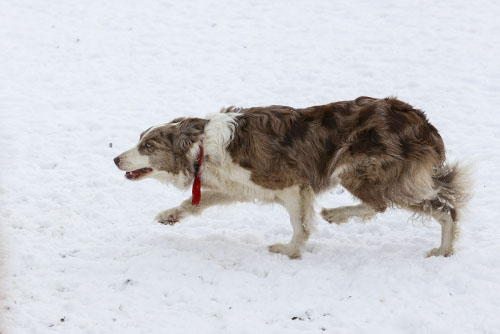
x=79 y=81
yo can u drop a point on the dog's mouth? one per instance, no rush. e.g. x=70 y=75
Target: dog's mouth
x=138 y=173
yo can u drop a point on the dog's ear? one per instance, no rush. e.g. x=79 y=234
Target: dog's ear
x=190 y=130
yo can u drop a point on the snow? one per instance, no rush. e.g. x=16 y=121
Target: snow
x=80 y=250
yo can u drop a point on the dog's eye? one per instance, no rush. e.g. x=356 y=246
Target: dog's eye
x=148 y=145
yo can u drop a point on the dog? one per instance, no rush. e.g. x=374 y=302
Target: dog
x=383 y=151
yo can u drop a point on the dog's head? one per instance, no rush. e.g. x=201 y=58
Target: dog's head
x=166 y=152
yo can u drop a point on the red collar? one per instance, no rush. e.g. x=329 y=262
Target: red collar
x=197 y=182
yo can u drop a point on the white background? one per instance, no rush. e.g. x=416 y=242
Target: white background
x=80 y=249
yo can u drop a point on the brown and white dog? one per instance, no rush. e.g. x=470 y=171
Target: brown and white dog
x=383 y=151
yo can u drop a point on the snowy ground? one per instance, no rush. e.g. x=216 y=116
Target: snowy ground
x=81 y=252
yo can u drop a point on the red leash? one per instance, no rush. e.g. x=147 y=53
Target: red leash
x=197 y=182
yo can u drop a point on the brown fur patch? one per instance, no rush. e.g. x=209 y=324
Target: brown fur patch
x=382 y=144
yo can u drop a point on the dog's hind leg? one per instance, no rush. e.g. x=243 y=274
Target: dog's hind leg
x=299 y=202
x=452 y=185
x=446 y=217
x=344 y=213
x=449 y=230
x=208 y=199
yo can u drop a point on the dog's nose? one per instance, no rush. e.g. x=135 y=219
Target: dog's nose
x=117 y=160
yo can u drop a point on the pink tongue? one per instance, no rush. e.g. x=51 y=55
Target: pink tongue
x=136 y=173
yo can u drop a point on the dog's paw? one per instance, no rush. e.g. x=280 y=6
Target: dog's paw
x=292 y=251
x=446 y=252
x=336 y=216
x=170 y=216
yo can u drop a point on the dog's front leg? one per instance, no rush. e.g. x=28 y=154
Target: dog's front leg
x=208 y=199
x=299 y=204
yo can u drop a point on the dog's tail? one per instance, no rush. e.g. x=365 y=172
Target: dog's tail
x=454 y=187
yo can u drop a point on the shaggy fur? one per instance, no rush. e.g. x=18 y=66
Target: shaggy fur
x=383 y=151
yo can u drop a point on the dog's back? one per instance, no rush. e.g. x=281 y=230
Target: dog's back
x=371 y=139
